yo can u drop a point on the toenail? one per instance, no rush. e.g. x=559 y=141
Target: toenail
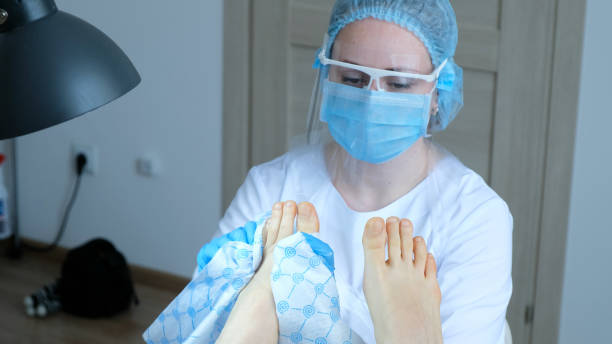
x=278 y=206
x=304 y=209
x=392 y=220
x=378 y=226
x=289 y=205
x=374 y=227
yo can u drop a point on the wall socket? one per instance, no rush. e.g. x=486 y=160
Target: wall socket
x=91 y=153
x=148 y=166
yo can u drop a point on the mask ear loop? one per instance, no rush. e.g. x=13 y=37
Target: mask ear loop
x=428 y=134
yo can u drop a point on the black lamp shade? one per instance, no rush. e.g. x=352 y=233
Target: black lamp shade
x=56 y=68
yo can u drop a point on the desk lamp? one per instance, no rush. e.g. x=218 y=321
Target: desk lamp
x=54 y=67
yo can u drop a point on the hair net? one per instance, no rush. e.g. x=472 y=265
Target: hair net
x=433 y=22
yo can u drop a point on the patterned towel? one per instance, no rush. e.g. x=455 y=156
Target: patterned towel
x=303 y=286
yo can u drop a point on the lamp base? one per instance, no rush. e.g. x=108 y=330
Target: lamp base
x=15 y=249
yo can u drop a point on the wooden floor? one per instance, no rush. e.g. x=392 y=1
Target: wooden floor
x=19 y=278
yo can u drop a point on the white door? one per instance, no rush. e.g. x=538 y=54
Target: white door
x=505 y=48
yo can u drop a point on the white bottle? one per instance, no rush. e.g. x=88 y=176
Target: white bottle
x=5 y=228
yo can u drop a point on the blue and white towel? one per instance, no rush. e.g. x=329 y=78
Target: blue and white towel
x=303 y=286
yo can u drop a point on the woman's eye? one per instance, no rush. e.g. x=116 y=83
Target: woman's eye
x=353 y=81
x=399 y=84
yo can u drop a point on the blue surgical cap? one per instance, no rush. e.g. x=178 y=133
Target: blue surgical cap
x=433 y=22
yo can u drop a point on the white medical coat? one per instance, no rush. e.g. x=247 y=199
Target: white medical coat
x=467 y=227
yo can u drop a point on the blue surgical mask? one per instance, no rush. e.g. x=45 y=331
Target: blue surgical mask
x=374 y=126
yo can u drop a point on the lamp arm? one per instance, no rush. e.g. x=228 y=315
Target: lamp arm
x=16 y=248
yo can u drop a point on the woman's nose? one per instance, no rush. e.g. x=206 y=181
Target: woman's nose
x=373 y=85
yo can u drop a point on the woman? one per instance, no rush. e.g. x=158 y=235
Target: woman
x=387 y=80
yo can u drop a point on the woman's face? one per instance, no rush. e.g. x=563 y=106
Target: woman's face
x=378 y=44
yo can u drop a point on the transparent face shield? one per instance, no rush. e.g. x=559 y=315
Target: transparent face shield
x=364 y=68
x=369 y=113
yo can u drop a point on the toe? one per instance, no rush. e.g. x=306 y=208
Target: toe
x=273 y=224
x=307 y=219
x=374 y=238
x=406 y=231
x=430 y=267
x=393 y=235
x=431 y=275
x=420 y=253
x=287 y=221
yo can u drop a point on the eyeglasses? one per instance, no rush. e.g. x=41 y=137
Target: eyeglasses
x=386 y=80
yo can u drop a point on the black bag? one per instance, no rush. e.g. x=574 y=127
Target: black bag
x=95 y=281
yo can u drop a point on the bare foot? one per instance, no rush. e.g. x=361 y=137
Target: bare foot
x=402 y=293
x=278 y=227
x=307 y=219
x=253 y=318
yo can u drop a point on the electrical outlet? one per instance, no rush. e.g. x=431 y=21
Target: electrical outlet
x=148 y=166
x=91 y=153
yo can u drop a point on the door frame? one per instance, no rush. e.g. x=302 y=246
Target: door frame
x=551 y=141
x=556 y=188
x=236 y=96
